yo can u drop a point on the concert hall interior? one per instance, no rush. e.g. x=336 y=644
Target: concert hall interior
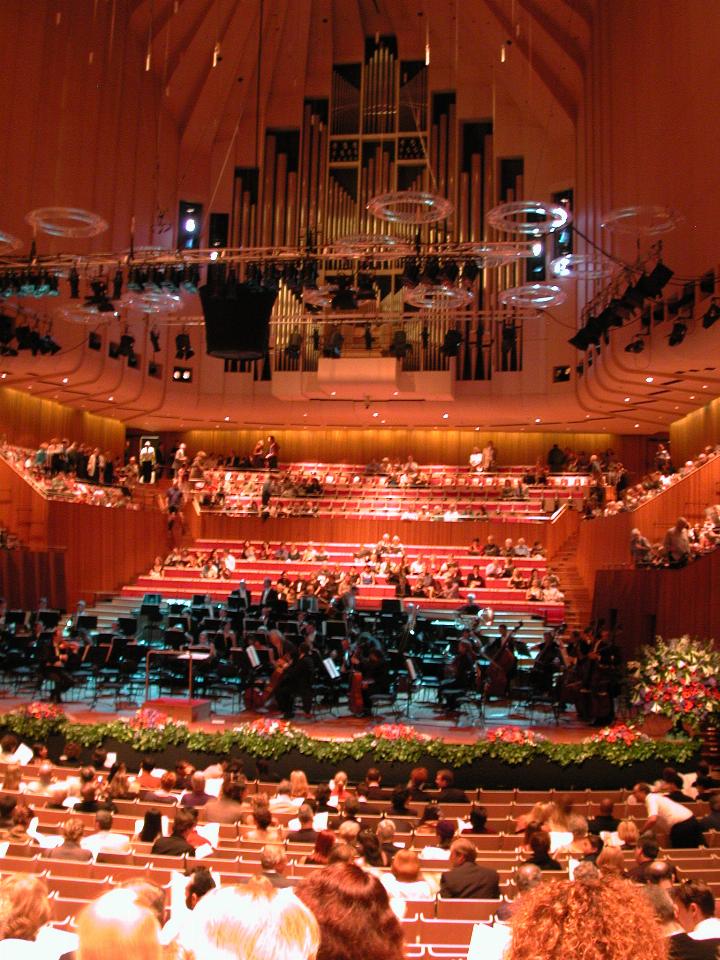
x=358 y=410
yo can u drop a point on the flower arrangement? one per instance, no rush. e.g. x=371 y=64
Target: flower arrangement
x=36 y=720
x=512 y=735
x=42 y=711
x=266 y=727
x=398 y=731
x=620 y=733
x=678 y=678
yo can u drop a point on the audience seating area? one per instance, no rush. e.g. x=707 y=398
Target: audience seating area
x=437 y=927
x=184 y=582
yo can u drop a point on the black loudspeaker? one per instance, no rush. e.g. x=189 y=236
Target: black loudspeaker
x=237 y=327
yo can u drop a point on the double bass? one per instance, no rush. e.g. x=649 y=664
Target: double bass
x=502 y=664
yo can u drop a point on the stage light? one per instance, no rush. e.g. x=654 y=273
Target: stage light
x=651 y=285
x=712 y=315
x=470 y=271
x=294 y=345
x=411 y=274
x=47 y=345
x=155 y=339
x=182 y=374
x=99 y=298
x=117 y=284
x=561 y=374
x=74 y=278
x=192 y=278
x=431 y=271
x=344 y=298
x=316 y=339
x=635 y=346
x=113 y=350
x=365 y=289
x=677 y=334
x=190 y=225
x=451 y=343
x=94 y=341
x=133 y=361
x=125 y=347
x=154 y=370
x=23 y=336
x=368 y=337
x=183 y=347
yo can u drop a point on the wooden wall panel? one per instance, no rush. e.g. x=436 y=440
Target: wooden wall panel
x=665 y=602
x=691 y=434
x=28 y=575
x=28 y=421
x=105 y=548
x=442 y=445
x=22 y=509
x=328 y=529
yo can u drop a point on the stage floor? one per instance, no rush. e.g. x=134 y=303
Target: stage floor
x=338 y=725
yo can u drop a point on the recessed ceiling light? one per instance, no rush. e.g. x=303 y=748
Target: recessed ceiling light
x=332 y=393
x=649 y=379
x=227 y=419
x=445 y=416
x=677 y=408
x=704 y=386
x=395 y=392
x=110 y=399
x=382 y=421
x=627 y=399
x=304 y=414
x=537 y=420
x=29 y=386
x=637 y=425
x=692 y=396
x=477 y=429
x=376 y=414
x=64 y=379
x=3 y=376
x=587 y=416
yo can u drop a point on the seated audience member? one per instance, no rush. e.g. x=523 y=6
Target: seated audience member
x=299 y=786
x=444 y=780
x=151 y=827
x=673 y=817
x=680 y=945
x=252 y=922
x=7 y=805
x=282 y=802
x=338 y=787
x=445 y=832
x=478 y=819
x=578 y=848
x=305 y=833
x=324 y=844
x=165 y=792
x=611 y=862
x=200 y=882
x=177 y=844
x=539 y=844
x=196 y=796
x=417 y=784
x=661 y=873
x=70 y=849
x=399 y=802
x=628 y=834
x=353 y=911
x=104 y=840
x=12 y=778
x=261 y=828
x=370 y=853
x=695 y=906
x=712 y=820
x=146 y=780
x=385 y=832
x=604 y=822
x=229 y=807
x=45 y=779
x=24 y=909
x=373 y=779
x=405 y=881
x=21 y=817
x=646 y=852
x=466 y=878
x=427 y=824
x=590 y=918
x=527 y=877
x=116 y=927
x=274 y=864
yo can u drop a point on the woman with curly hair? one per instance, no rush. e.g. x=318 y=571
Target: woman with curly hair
x=354 y=914
x=24 y=909
x=585 y=920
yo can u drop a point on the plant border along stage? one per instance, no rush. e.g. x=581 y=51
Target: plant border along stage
x=606 y=754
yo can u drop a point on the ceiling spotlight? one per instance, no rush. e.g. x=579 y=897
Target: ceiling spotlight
x=94 y=340
x=154 y=369
x=712 y=314
x=125 y=347
x=677 y=334
x=649 y=379
x=117 y=284
x=182 y=374
x=155 y=339
x=99 y=298
x=635 y=346
x=74 y=278
x=183 y=347
x=46 y=345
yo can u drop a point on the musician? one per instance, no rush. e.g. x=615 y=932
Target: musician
x=606 y=657
x=503 y=666
x=462 y=676
x=297 y=681
x=547 y=662
x=55 y=658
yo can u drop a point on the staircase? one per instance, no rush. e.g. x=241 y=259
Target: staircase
x=578 y=602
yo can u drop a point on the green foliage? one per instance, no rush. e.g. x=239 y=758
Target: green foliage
x=245 y=739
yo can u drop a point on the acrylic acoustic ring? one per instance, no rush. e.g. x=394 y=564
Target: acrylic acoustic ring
x=366 y=246
x=9 y=243
x=66 y=222
x=441 y=297
x=540 y=296
x=531 y=217
x=581 y=266
x=642 y=220
x=410 y=206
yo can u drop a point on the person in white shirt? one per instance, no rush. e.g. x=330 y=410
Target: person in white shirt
x=476 y=459
x=684 y=829
x=405 y=882
x=104 y=841
x=695 y=905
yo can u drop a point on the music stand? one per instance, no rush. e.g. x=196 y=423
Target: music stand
x=86 y=621
x=390 y=605
x=127 y=626
x=49 y=618
x=151 y=612
x=15 y=618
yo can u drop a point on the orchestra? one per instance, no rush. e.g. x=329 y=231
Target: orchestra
x=285 y=651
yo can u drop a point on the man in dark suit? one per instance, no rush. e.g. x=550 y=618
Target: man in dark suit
x=274 y=864
x=305 y=833
x=268 y=595
x=374 y=788
x=466 y=879
x=444 y=780
x=177 y=844
x=605 y=820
